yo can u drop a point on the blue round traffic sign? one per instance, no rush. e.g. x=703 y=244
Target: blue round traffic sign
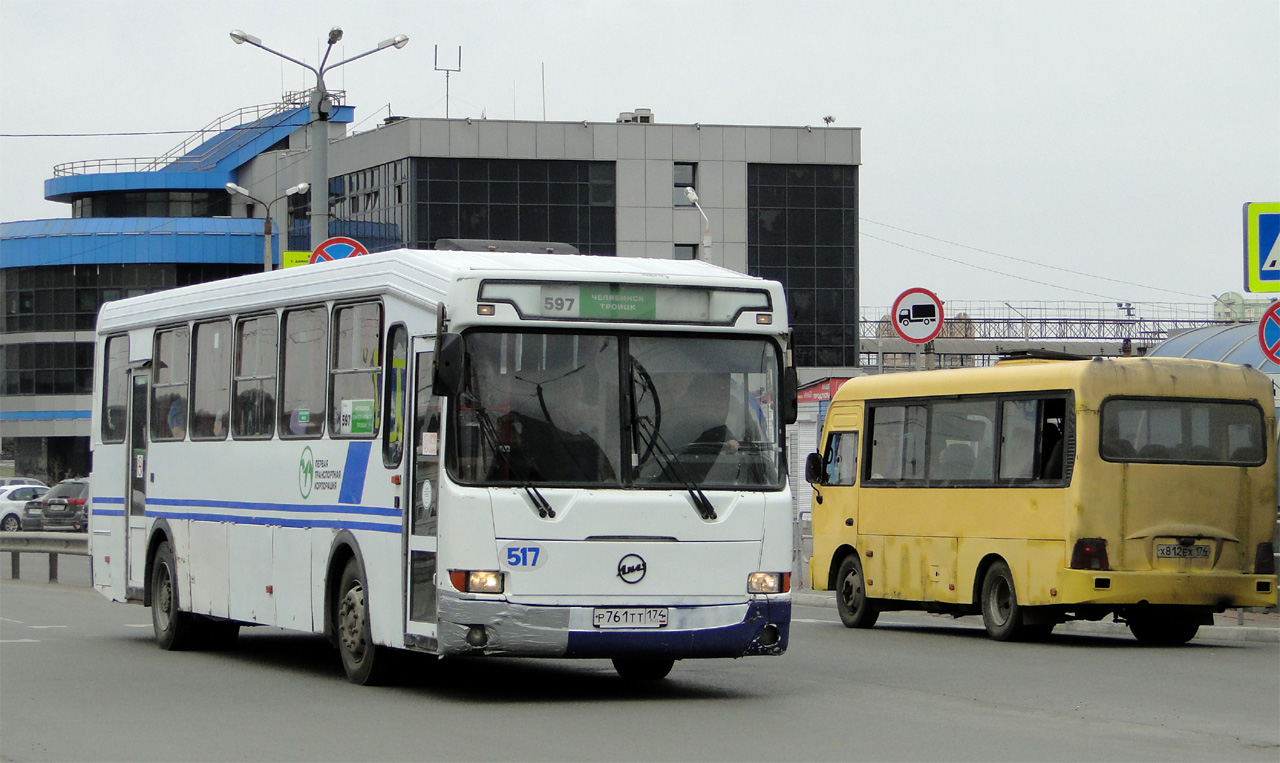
x=1269 y=333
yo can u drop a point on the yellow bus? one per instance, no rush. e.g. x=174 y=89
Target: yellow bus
x=1040 y=491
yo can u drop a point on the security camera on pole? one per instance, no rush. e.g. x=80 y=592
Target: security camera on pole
x=318 y=128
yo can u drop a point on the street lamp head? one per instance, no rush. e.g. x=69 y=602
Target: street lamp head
x=691 y=195
x=234 y=189
x=335 y=34
x=239 y=37
x=299 y=188
x=399 y=41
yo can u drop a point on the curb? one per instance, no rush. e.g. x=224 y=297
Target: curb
x=1099 y=628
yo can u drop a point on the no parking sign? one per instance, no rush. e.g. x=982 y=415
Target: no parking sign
x=338 y=248
x=1269 y=333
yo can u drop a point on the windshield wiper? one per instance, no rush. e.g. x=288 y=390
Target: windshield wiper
x=674 y=468
x=491 y=438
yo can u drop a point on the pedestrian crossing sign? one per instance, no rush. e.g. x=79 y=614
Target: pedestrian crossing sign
x=1262 y=247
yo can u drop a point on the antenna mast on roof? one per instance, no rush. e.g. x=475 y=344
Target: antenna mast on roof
x=447 y=71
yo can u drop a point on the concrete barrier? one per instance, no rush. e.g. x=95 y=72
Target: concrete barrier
x=51 y=543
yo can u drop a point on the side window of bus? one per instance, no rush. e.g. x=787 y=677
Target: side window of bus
x=1033 y=439
x=357 y=341
x=211 y=381
x=115 y=393
x=303 y=373
x=253 y=410
x=962 y=441
x=169 y=386
x=898 y=442
x=396 y=375
x=841 y=458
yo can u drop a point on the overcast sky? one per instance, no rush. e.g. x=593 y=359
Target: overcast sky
x=1091 y=151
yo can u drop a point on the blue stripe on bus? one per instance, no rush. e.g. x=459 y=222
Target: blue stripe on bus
x=108 y=499
x=377 y=511
x=277 y=522
x=353 y=472
x=108 y=512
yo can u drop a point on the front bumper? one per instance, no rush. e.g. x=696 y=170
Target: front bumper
x=760 y=626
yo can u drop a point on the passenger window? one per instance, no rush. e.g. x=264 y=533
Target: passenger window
x=962 y=441
x=357 y=339
x=115 y=381
x=841 y=458
x=254 y=386
x=303 y=373
x=898 y=442
x=1033 y=439
x=169 y=386
x=211 y=381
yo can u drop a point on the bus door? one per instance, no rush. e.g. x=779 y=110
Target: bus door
x=136 y=495
x=423 y=516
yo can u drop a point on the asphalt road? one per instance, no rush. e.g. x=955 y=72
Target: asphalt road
x=81 y=679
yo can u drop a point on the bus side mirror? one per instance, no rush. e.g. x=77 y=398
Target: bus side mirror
x=813 y=469
x=790 y=395
x=446 y=378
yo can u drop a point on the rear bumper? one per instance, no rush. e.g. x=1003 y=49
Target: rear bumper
x=1195 y=589
x=760 y=626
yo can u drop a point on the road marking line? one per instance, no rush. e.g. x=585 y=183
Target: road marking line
x=7 y=620
x=820 y=622
x=137 y=625
x=45 y=626
x=20 y=641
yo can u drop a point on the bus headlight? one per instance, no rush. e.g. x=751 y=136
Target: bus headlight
x=476 y=581
x=769 y=582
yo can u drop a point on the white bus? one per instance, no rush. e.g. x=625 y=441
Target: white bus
x=456 y=453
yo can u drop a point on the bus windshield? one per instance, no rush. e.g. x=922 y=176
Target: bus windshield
x=617 y=410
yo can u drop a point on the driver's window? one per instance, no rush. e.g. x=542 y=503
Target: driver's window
x=841 y=458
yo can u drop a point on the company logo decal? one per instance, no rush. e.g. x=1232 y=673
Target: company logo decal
x=631 y=568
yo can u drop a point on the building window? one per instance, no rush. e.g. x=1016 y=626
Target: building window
x=686 y=252
x=802 y=230
x=571 y=202
x=683 y=174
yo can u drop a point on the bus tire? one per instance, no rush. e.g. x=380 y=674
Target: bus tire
x=1001 y=613
x=856 y=609
x=1162 y=628
x=365 y=663
x=175 y=630
x=642 y=669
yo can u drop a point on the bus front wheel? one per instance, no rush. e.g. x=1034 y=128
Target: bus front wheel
x=365 y=663
x=1001 y=613
x=641 y=669
x=855 y=607
x=175 y=629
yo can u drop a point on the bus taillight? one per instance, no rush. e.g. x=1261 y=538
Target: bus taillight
x=1090 y=554
x=1264 y=562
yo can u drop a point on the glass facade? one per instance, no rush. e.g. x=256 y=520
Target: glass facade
x=67 y=297
x=46 y=368
x=802 y=230
x=152 y=204
x=515 y=199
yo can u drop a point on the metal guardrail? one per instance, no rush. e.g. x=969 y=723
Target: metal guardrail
x=51 y=543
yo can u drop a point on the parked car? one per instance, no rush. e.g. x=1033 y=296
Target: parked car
x=65 y=506
x=12 y=499
x=8 y=481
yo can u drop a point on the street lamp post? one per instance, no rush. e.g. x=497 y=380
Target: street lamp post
x=234 y=189
x=318 y=129
x=692 y=196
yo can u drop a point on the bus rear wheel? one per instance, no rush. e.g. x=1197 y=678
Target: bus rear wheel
x=855 y=607
x=1162 y=628
x=365 y=663
x=1001 y=613
x=641 y=669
